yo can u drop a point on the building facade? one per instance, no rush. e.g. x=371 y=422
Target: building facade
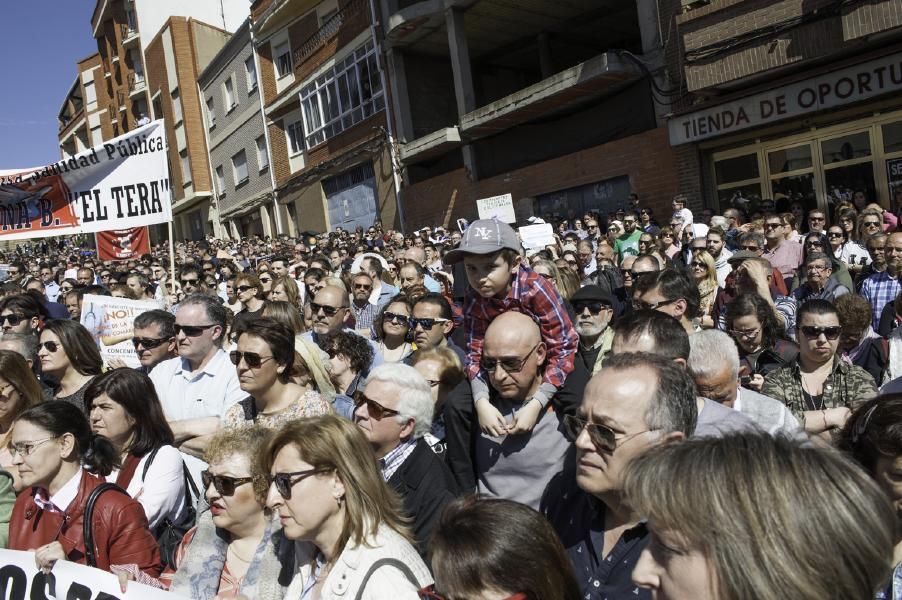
x=80 y=115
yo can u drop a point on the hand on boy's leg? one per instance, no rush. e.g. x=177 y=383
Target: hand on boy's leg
x=526 y=417
x=491 y=422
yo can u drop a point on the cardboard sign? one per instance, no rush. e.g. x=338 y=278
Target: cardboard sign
x=111 y=322
x=123 y=183
x=536 y=237
x=123 y=244
x=20 y=579
x=500 y=207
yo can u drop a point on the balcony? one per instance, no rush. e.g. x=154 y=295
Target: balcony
x=129 y=35
x=136 y=85
x=352 y=11
x=120 y=97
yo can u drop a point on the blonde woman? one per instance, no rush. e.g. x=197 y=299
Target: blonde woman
x=332 y=499
x=746 y=499
x=704 y=274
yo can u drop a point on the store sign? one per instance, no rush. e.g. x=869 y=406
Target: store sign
x=894 y=178
x=846 y=86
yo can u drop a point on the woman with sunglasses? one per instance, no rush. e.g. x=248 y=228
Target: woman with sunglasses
x=819 y=387
x=234 y=549
x=850 y=249
x=819 y=242
x=265 y=359
x=124 y=408
x=332 y=499
x=704 y=274
x=19 y=391
x=391 y=328
x=759 y=337
x=522 y=558
x=249 y=291
x=285 y=289
x=69 y=359
x=62 y=461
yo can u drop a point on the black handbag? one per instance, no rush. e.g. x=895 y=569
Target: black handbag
x=169 y=533
x=87 y=530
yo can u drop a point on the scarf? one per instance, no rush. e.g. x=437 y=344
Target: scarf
x=707 y=291
x=316 y=361
x=200 y=571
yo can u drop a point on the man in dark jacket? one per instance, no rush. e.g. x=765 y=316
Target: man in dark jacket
x=394 y=412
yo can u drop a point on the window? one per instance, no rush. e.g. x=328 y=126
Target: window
x=239 y=168
x=250 y=71
x=342 y=97
x=228 y=90
x=262 y=156
x=282 y=53
x=186 y=167
x=176 y=107
x=220 y=180
x=135 y=59
x=90 y=93
x=295 y=137
x=96 y=136
x=131 y=20
x=211 y=113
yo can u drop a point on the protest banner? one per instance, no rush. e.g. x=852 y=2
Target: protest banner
x=500 y=207
x=123 y=244
x=20 y=579
x=120 y=184
x=536 y=237
x=111 y=322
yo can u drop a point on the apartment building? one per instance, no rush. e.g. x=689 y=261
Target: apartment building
x=324 y=101
x=791 y=101
x=236 y=137
x=561 y=105
x=80 y=115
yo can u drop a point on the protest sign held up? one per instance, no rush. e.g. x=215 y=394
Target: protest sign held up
x=110 y=321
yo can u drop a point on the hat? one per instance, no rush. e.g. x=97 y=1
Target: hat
x=592 y=293
x=484 y=236
x=742 y=255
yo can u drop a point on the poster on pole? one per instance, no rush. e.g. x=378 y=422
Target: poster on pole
x=123 y=244
x=20 y=579
x=500 y=207
x=120 y=184
x=111 y=322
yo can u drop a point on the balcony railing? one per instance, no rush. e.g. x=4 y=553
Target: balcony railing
x=136 y=84
x=128 y=33
x=351 y=10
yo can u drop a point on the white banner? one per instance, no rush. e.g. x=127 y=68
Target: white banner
x=111 y=322
x=121 y=184
x=20 y=579
x=500 y=207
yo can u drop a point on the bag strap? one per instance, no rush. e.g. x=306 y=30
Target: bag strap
x=88 y=533
x=153 y=455
x=191 y=490
x=382 y=562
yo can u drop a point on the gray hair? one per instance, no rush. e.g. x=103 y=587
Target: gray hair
x=819 y=256
x=164 y=319
x=216 y=312
x=24 y=344
x=672 y=407
x=720 y=221
x=710 y=351
x=753 y=236
x=414 y=395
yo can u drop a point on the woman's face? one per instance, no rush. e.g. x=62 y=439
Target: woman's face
x=44 y=455
x=816 y=346
x=836 y=236
x=11 y=401
x=278 y=293
x=798 y=211
x=110 y=419
x=646 y=244
x=748 y=333
x=266 y=282
x=396 y=323
x=431 y=370
x=256 y=380
x=667 y=239
x=699 y=269
x=340 y=365
x=675 y=570
x=847 y=225
x=51 y=354
x=888 y=473
x=241 y=506
x=245 y=291
x=313 y=505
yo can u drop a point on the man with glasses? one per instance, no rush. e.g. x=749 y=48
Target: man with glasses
x=432 y=323
x=363 y=310
x=637 y=402
x=819 y=283
x=784 y=255
x=875 y=245
x=817 y=220
x=154 y=338
x=330 y=308
x=21 y=313
x=51 y=287
x=394 y=411
x=882 y=288
x=668 y=291
x=593 y=310
x=628 y=243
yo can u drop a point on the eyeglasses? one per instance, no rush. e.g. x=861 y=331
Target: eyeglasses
x=593 y=306
x=26 y=448
x=433 y=382
x=244 y=288
x=224 y=485
x=285 y=481
x=373 y=408
x=641 y=305
x=772 y=225
x=816 y=268
x=602 y=437
x=396 y=318
x=265 y=279
x=192 y=330
x=831 y=333
x=746 y=334
x=189 y=281
x=817 y=219
x=426 y=324
x=509 y=365
x=13 y=319
x=66 y=288
x=149 y=343
x=750 y=248
x=50 y=346
x=629 y=221
x=698 y=265
x=870 y=224
x=814 y=243
x=251 y=359
x=362 y=286
x=834 y=234
x=329 y=311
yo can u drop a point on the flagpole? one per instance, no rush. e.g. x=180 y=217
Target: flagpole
x=171 y=259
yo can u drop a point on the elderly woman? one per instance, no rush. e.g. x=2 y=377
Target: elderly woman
x=689 y=491
x=819 y=284
x=818 y=243
x=69 y=360
x=331 y=498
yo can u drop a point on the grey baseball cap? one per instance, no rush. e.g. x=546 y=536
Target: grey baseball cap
x=484 y=236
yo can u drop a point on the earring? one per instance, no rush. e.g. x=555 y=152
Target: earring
x=338 y=500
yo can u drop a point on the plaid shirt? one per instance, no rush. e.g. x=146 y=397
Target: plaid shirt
x=879 y=290
x=532 y=295
x=390 y=463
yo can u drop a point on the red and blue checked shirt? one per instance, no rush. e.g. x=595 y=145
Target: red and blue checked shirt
x=534 y=296
x=879 y=290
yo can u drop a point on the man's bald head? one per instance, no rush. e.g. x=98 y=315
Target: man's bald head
x=515 y=352
x=417 y=255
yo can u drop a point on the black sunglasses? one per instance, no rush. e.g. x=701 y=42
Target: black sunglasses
x=426 y=324
x=396 y=318
x=265 y=279
x=224 y=485
x=373 y=408
x=593 y=306
x=329 y=311
x=831 y=333
x=510 y=365
x=50 y=346
x=192 y=330
x=13 y=319
x=244 y=288
x=190 y=281
x=285 y=481
x=751 y=248
x=602 y=436
x=149 y=343
x=251 y=359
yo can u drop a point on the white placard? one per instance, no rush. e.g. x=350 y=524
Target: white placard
x=497 y=207
x=536 y=237
x=111 y=322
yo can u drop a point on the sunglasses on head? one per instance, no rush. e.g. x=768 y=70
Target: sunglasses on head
x=224 y=485
x=13 y=319
x=329 y=311
x=594 y=306
x=192 y=330
x=285 y=481
x=373 y=408
x=251 y=359
x=831 y=333
x=149 y=343
x=396 y=318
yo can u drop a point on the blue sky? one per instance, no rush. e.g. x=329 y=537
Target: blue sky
x=40 y=43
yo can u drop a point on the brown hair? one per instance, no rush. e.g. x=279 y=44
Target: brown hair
x=853 y=311
x=250 y=280
x=79 y=346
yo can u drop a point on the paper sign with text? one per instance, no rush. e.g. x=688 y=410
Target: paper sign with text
x=111 y=322
x=120 y=184
x=536 y=237
x=500 y=207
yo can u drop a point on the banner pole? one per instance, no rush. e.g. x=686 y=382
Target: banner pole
x=171 y=259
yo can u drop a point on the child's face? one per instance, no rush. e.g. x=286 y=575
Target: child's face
x=489 y=275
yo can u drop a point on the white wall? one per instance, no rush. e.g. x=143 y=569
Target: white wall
x=224 y=14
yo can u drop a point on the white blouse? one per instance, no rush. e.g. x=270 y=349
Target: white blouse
x=162 y=491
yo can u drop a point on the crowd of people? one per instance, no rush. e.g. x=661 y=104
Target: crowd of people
x=704 y=408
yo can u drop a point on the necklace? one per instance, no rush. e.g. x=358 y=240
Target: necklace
x=238 y=556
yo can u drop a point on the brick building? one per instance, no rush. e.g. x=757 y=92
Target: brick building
x=324 y=103
x=791 y=101
x=80 y=115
